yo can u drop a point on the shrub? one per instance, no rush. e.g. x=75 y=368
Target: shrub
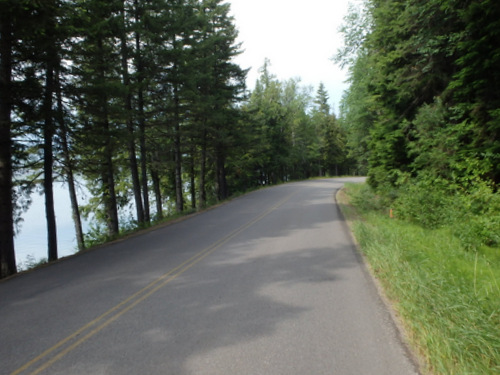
x=446 y=294
x=365 y=199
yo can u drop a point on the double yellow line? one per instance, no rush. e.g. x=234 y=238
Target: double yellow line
x=74 y=340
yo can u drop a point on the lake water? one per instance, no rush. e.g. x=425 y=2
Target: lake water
x=31 y=241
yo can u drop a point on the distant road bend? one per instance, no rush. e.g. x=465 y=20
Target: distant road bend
x=269 y=283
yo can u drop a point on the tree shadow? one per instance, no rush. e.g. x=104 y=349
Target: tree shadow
x=236 y=299
x=238 y=296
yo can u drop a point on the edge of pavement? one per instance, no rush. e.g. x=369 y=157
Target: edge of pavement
x=395 y=319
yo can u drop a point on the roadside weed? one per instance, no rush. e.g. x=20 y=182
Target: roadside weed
x=447 y=295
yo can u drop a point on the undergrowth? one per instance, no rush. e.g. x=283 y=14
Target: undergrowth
x=446 y=291
x=30 y=263
x=97 y=235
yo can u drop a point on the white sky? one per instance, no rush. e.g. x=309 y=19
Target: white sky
x=299 y=38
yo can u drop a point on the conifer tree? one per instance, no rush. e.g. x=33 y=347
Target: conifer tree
x=332 y=138
x=223 y=85
x=99 y=91
x=423 y=85
x=126 y=80
x=11 y=12
x=51 y=60
x=140 y=28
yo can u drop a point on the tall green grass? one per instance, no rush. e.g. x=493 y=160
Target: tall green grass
x=447 y=295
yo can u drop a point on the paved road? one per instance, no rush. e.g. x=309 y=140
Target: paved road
x=269 y=283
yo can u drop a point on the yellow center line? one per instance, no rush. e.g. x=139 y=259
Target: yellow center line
x=126 y=305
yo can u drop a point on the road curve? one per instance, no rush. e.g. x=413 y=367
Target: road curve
x=269 y=283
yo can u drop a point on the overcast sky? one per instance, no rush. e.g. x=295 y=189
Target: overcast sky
x=299 y=37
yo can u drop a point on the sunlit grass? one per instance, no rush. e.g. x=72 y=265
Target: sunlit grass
x=448 y=297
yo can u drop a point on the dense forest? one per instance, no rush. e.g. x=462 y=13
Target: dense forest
x=141 y=102
x=422 y=113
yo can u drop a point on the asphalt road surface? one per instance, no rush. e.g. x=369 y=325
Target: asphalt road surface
x=269 y=283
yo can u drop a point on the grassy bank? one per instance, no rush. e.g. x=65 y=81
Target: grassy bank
x=447 y=295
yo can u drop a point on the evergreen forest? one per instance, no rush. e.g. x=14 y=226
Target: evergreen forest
x=422 y=114
x=140 y=102
x=422 y=118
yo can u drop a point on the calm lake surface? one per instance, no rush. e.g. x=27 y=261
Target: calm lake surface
x=31 y=242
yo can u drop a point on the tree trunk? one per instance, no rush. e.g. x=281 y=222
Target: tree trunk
x=203 y=167
x=157 y=190
x=75 y=209
x=108 y=180
x=7 y=255
x=107 y=171
x=144 y=156
x=48 y=157
x=179 y=201
x=142 y=120
x=222 y=192
x=109 y=195
x=193 y=177
x=69 y=168
x=134 y=171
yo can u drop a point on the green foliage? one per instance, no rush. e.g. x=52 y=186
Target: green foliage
x=363 y=197
x=149 y=83
x=294 y=137
x=331 y=138
x=480 y=219
x=472 y=216
x=143 y=98
x=30 y=263
x=423 y=93
x=423 y=110
x=446 y=295
x=357 y=25
x=427 y=202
